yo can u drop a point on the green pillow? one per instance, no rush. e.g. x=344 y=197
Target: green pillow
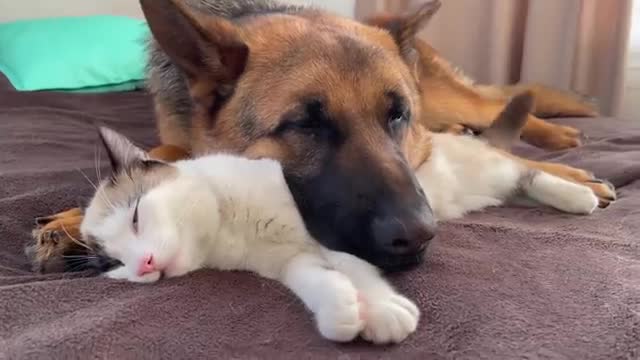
x=126 y=86
x=92 y=53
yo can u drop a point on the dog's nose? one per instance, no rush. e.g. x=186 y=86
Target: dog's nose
x=398 y=237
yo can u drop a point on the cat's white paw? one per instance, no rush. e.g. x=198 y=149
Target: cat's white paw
x=580 y=200
x=338 y=317
x=562 y=194
x=390 y=318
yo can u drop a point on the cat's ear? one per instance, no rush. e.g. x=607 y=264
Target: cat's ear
x=404 y=28
x=122 y=153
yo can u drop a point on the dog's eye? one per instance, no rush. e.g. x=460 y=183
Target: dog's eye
x=302 y=126
x=307 y=125
x=398 y=114
x=134 y=220
x=470 y=131
x=311 y=121
x=397 y=119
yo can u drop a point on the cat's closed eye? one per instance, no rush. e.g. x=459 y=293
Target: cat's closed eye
x=134 y=219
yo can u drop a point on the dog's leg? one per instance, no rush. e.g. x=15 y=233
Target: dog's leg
x=388 y=316
x=169 y=153
x=549 y=102
x=329 y=294
x=603 y=189
x=449 y=106
x=550 y=136
x=59 y=234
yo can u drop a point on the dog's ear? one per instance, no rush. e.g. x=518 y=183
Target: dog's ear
x=122 y=153
x=206 y=48
x=404 y=28
x=507 y=128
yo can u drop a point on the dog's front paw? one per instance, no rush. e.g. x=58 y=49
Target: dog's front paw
x=339 y=317
x=390 y=318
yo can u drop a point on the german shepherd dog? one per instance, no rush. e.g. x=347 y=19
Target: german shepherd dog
x=341 y=104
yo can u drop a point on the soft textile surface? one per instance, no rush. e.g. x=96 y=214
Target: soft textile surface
x=87 y=53
x=507 y=283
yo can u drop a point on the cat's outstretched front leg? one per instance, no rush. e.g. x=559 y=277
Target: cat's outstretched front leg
x=329 y=294
x=559 y=193
x=604 y=190
x=388 y=316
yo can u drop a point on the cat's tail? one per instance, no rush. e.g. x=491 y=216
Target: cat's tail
x=507 y=128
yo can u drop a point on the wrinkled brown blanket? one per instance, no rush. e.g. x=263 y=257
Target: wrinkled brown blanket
x=507 y=283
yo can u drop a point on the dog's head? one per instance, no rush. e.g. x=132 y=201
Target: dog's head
x=332 y=99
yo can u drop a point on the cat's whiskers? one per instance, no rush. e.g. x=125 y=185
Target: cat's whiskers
x=98 y=190
x=78 y=242
x=76 y=261
x=87 y=178
x=103 y=195
x=76 y=267
x=99 y=173
x=97 y=163
x=79 y=256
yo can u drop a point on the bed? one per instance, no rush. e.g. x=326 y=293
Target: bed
x=505 y=283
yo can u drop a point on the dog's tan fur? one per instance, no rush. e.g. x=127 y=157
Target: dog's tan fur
x=442 y=100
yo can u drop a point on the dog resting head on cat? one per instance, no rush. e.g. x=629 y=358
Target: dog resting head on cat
x=332 y=99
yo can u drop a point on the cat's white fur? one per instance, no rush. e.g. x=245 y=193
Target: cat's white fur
x=465 y=174
x=231 y=213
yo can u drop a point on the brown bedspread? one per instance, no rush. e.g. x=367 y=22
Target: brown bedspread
x=507 y=283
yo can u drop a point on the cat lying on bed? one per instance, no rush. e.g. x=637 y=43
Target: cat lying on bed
x=153 y=219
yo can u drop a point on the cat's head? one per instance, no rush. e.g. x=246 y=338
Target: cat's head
x=140 y=220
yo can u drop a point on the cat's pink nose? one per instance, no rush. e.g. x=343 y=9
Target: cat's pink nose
x=147 y=265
